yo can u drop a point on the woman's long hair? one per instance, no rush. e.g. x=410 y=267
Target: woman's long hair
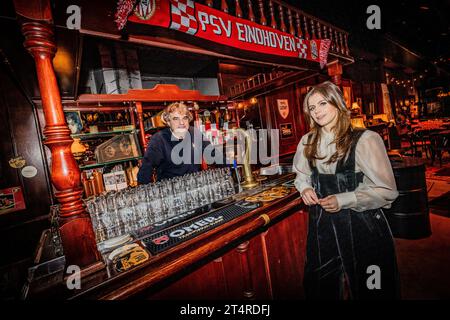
x=342 y=130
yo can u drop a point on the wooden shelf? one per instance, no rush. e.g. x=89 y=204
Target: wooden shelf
x=155 y=128
x=97 y=165
x=100 y=134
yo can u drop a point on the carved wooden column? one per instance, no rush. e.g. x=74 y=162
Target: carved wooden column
x=325 y=32
x=281 y=15
x=291 y=22
x=341 y=43
x=346 y=50
x=318 y=30
x=273 y=22
x=313 y=28
x=251 y=15
x=336 y=41
x=224 y=6
x=238 y=10
x=262 y=19
x=305 y=24
x=335 y=72
x=333 y=44
x=76 y=231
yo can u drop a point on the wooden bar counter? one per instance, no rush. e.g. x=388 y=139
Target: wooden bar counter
x=258 y=255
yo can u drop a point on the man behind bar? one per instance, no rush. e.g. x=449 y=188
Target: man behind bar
x=160 y=153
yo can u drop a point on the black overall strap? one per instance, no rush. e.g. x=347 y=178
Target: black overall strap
x=348 y=162
x=348 y=178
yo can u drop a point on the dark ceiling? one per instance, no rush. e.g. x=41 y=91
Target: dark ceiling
x=421 y=25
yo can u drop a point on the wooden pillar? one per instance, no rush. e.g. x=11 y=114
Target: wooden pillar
x=335 y=72
x=76 y=231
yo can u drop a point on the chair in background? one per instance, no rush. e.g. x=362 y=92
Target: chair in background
x=439 y=144
x=421 y=139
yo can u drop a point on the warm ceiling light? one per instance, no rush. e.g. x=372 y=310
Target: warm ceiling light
x=424 y=8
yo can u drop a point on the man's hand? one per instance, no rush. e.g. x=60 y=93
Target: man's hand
x=309 y=197
x=330 y=204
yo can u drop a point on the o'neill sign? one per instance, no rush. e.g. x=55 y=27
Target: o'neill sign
x=213 y=25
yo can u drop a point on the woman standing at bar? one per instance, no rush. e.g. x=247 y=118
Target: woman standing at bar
x=344 y=175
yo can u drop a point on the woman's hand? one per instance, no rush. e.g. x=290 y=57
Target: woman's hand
x=309 y=197
x=330 y=204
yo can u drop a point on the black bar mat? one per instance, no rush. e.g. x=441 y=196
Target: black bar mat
x=170 y=237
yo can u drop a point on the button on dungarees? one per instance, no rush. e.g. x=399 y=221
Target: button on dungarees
x=348 y=252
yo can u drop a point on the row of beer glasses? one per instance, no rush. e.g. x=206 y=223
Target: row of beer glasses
x=117 y=213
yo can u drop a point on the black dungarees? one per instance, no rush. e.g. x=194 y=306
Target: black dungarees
x=341 y=246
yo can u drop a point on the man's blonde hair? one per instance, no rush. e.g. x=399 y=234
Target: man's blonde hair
x=176 y=106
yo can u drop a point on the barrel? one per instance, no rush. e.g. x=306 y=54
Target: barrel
x=409 y=216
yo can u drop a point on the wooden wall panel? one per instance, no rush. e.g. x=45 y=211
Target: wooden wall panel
x=20 y=137
x=286 y=258
x=272 y=119
x=242 y=281
x=208 y=282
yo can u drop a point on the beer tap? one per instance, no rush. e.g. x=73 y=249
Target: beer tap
x=249 y=180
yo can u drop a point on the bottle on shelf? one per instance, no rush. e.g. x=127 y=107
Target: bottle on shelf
x=226 y=119
x=86 y=185
x=217 y=117
x=131 y=172
x=207 y=121
x=99 y=186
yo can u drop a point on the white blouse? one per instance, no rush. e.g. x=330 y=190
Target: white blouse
x=378 y=188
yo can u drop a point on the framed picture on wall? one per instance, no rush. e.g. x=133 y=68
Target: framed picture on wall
x=73 y=120
x=11 y=199
x=286 y=130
